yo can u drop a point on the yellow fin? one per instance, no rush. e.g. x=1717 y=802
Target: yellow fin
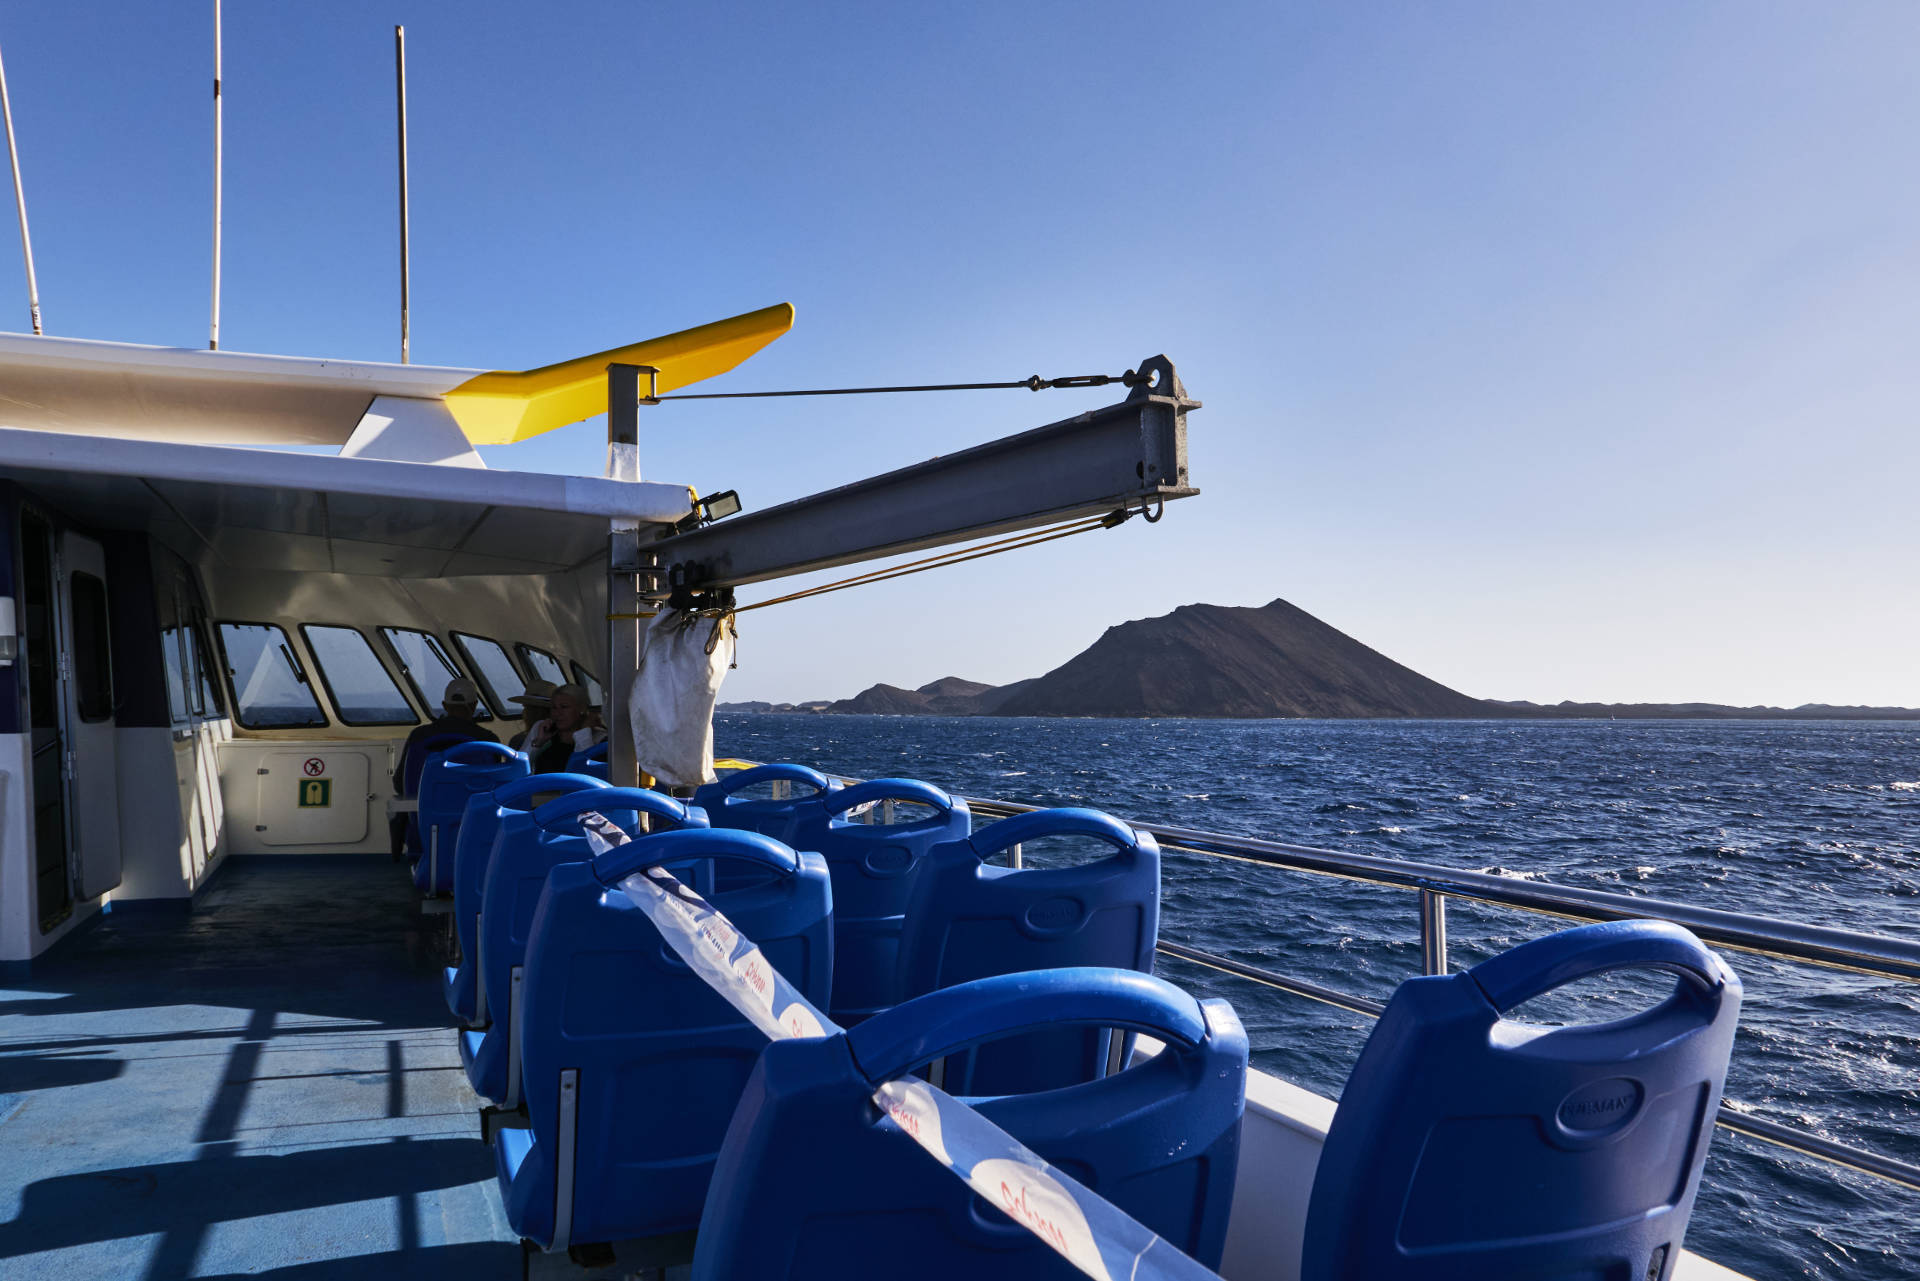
x=507 y=405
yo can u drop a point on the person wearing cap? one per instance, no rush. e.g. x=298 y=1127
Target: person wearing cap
x=569 y=727
x=536 y=701
x=459 y=704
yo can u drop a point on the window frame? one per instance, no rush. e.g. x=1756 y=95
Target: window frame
x=204 y=651
x=478 y=675
x=373 y=652
x=526 y=662
x=226 y=675
x=483 y=713
x=172 y=664
x=588 y=681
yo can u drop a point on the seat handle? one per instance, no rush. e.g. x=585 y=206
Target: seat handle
x=772 y=774
x=476 y=751
x=693 y=843
x=1522 y=973
x=598 y=752
x=514 y=795
x=896 y=1041
x=562 y=813
x=889 y=789
x=1033 y=826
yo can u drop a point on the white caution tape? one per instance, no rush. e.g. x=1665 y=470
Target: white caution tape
x=1094 y=1235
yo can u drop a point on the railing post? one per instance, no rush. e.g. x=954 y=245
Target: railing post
x=1433 y=932
x=623 y=582
x=1013 y=855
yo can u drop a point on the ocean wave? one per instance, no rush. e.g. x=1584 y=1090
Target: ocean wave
x=1914 y=786
x=1510 y=873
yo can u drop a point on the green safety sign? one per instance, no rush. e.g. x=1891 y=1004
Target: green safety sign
x=316 y=793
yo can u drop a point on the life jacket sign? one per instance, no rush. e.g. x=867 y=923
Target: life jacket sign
x=316 y=793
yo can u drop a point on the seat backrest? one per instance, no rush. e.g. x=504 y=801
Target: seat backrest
x=480 y=826
x=593 y=761
x=452 y=775
x=873 y=867
x=525 y=851
x=661 y=1057
x=775 y=817
x=422 y=752
x=1468 y=1144
x=813 y=1182
x=968 y=919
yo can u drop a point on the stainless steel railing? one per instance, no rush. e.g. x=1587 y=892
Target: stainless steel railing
x=1851 y=950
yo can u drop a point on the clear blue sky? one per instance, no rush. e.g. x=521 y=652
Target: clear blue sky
x=1556 y=351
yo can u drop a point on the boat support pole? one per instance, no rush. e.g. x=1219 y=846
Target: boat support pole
x=623 y=565
x=400 y=89
x=20 y=201
x=213 y=328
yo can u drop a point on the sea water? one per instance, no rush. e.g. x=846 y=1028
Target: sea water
x=1810 y=821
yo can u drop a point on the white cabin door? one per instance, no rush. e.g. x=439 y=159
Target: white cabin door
x=86 y=679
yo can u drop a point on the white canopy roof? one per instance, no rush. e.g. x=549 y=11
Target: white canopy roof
x=264 y=509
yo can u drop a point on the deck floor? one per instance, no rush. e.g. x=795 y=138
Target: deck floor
x=266 y=1087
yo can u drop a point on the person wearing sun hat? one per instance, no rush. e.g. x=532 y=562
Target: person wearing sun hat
x=535 y=702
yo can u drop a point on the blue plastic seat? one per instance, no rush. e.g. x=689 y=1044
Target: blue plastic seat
x=969 y=920
x=487 y=814
x=1467 y=1145
x=447 y=781
x=516 y=874
x=774 y=817
x=593 y=761
x=633 y=1064
x=412 y=766
x=813 y=1183
x=873 y=866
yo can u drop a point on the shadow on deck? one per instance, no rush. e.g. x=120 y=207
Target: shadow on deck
x=265 y=1087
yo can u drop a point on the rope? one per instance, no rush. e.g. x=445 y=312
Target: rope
x=1131 y=378
x=1014 y=542
x=940 y=560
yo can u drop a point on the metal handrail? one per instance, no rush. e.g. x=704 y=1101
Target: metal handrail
x=1852 y=950
x=1729 y=1117
x=1862 y=953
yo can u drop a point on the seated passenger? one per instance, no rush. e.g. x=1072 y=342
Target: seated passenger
x=454 y=724
x=536 y=704
x=570 y=727
x=458 y=706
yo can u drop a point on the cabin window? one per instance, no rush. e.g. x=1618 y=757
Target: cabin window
x=499 y=680
x=543 y=665
x=362 y=691
x=190 y=691
x=270 y=689
x=174 y=653
x=92 y=662
x=427 y=668
x=583 y=677
x=206 y=691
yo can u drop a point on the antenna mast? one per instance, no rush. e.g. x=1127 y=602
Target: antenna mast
x=400 y=86
x=20 y=199
x=213 y=332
